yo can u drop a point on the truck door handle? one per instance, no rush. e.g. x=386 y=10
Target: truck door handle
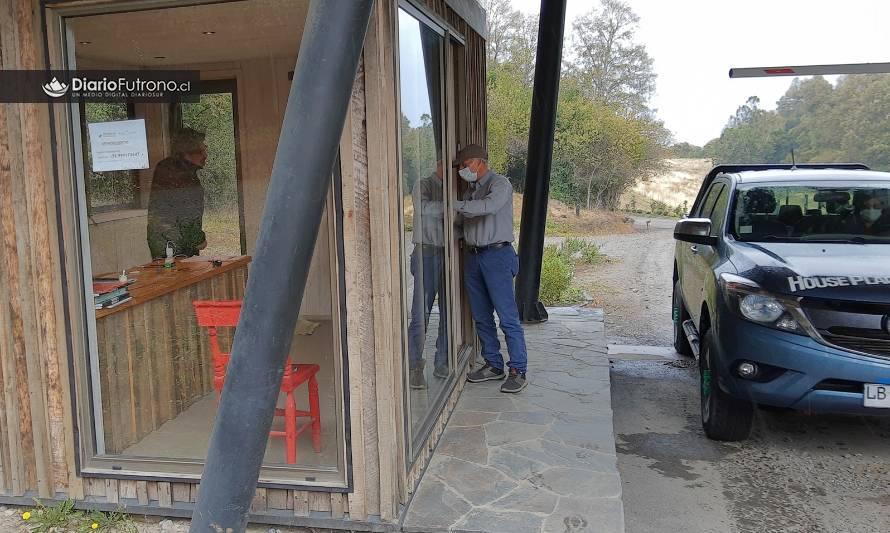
x=694 y=248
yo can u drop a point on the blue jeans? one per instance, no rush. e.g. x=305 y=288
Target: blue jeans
x=428 y=269
x=489 y=283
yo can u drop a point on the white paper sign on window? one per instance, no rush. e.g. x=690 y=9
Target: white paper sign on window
x=118 y=145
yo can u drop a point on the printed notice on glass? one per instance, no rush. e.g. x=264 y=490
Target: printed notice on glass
x=118 y=145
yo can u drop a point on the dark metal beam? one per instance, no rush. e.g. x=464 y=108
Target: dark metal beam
x=313 y=121
x=551 y=27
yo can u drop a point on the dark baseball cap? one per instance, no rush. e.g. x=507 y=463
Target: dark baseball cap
x=471 y=151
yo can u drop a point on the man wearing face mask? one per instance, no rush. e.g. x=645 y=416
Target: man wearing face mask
x=868 y=217
x=490 y=266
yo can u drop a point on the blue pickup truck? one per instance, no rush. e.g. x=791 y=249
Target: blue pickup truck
x=782 y=292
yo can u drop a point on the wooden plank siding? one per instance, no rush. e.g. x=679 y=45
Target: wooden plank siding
x=37 y=419
x=161 y=338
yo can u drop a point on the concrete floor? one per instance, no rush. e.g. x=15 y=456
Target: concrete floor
x=187 y=436
x=797 y=473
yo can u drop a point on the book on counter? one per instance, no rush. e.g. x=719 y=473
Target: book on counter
x=104 y=286
x=110 y=293
x=114 y=302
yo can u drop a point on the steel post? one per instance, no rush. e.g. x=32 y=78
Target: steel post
x=551 y=27
x=307 y=147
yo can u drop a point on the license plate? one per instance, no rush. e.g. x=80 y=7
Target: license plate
x=877 y=395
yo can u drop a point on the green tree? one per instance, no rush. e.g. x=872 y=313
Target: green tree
x=609 y=64
x=821 y=123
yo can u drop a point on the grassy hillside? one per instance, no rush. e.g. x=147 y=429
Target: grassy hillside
x=674 y=188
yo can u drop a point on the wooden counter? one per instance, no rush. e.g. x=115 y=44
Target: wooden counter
x=154 y=360
x=153 y=280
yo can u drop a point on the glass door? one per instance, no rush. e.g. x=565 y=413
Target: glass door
x=425 y=202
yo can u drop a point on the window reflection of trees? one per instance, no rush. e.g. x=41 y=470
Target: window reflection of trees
x=423 y=192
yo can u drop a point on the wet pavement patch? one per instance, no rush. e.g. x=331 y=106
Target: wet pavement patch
x=672 y=451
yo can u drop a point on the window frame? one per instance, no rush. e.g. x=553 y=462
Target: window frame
x=458 y=355
x=90 y=462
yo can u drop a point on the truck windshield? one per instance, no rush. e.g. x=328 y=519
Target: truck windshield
x=806 y=213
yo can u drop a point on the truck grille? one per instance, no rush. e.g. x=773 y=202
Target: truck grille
x=853 y=326
x=877 y=347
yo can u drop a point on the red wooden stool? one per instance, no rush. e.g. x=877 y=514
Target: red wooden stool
x=224 y=314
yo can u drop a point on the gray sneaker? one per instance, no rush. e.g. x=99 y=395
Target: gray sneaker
x=486 y=373
x=515 y=382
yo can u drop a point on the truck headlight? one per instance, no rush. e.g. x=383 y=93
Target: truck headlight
x=748 y=300
x=760 y=308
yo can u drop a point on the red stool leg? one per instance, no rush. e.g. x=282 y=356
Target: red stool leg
x=290 y=428
x=315 y=413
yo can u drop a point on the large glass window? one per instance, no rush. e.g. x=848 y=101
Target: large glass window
x=797 y=212
x=160 y=328
x=425 y=212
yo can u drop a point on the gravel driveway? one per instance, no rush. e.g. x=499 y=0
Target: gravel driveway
x=634 y=287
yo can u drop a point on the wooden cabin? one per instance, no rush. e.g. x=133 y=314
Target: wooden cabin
x=109 y=390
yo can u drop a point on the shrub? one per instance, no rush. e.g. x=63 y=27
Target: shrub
x=556 y=276
x=572 y=245
x=591 y=254
x=657 y=207
x=578 y=249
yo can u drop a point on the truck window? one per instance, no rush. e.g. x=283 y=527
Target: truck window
x=827 y=212
x=707 y=206
x=718 y=214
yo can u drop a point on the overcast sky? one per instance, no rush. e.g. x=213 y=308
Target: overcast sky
x=695 y=42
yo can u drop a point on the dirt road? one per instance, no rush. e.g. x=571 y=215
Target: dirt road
x=634 y=285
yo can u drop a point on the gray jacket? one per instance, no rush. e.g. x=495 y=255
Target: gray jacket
x=487 y=211
x=429 y=211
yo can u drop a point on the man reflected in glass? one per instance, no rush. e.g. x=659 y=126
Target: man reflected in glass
x=428 y=270
x=176 y=203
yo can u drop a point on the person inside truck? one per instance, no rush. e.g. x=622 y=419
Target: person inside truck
x=869 y=215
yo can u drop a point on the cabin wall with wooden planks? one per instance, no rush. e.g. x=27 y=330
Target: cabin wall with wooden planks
x=36 y=436
x=36 y=433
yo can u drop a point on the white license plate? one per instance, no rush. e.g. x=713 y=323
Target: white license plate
x=877 y=395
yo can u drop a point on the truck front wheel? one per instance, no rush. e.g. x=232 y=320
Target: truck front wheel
x=723 y=417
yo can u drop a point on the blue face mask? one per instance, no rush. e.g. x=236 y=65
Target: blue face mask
x=468 y=175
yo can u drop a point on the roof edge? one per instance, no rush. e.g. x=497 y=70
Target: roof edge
x=473 y=13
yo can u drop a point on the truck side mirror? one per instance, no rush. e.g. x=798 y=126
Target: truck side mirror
x=695 y=230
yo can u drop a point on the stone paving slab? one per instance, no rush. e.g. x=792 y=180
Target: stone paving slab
x=540 y=461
